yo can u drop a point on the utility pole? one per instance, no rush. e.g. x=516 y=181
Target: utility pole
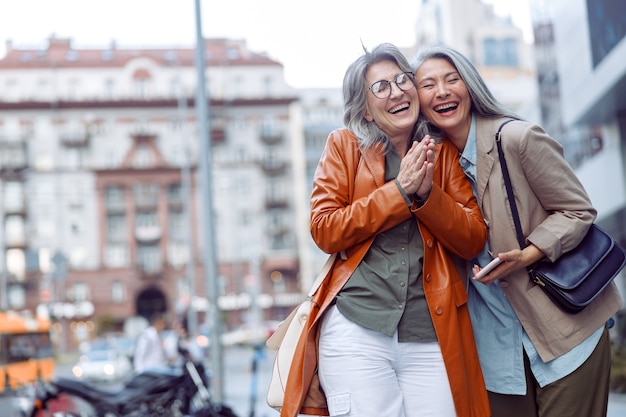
x=192 y=318
x=4 y=305
x=209 y=252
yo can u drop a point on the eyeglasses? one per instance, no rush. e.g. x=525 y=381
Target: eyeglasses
x=382 y=88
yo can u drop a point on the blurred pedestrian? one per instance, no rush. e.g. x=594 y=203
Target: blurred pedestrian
x=150 y=350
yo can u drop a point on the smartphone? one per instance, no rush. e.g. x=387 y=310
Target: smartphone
x=489 y=267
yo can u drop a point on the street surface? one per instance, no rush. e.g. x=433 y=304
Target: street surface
x=242 y=390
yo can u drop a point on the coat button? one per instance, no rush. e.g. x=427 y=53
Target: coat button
x=439 y=311
x=430 y=243
x=428 y=278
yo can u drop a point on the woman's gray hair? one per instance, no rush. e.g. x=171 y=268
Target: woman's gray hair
x=355 y=95
x=484 y=103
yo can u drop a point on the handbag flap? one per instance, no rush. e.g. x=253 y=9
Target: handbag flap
x=573 y=267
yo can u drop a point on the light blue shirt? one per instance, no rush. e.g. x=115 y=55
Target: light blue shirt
x=500 y=337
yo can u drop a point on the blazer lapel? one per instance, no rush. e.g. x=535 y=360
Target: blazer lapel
x=486 y=153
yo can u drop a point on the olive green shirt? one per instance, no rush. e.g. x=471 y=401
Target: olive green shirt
x=385 y=292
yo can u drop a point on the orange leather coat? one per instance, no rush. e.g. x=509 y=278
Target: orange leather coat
x=351 y=204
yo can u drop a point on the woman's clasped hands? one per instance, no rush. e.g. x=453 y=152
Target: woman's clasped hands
x=416 y=169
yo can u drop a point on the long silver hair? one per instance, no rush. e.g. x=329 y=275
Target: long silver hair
x=484 y=103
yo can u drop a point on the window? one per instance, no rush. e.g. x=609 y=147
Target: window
x=177 y=253
x=116 y=255
x=73 y=158
x=232 y=53
x=146 y=194
x=109 y=89
x=80 y=291
x=175 y=194
x=71 y=56
x=13 y=196
x=114 y=198
x=149 y=258
x=143 y=157
x=501 y=52
x=14 y=230
x=177 y=225
x=72 y=89
x=141 y=88
x=16 y=296
x=107 y=55
x=118 y=292
x=78 y=257
x=43 y=90
x=147 y=219
x=16 y=264
x=116 y=228
x=267 y=86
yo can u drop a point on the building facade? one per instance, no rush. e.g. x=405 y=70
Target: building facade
x=585 y=43
x=100 y=192
x=493 y=43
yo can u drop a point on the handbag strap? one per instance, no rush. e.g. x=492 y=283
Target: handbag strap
x=322 y=274
x=509 y=187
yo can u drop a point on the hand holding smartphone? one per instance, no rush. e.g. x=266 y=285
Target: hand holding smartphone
x=488 y=268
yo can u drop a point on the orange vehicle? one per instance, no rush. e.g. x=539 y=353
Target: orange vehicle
x=26 y=353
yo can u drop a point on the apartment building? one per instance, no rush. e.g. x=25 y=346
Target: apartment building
x=585 y=40
x=493 y=43
x=100 y=187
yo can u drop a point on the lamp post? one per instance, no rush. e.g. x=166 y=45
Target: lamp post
x=209 y=252
x=3 y=253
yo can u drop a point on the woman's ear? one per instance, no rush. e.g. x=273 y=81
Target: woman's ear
x=367 y=116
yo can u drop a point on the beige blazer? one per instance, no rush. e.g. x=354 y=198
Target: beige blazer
x=555 y=213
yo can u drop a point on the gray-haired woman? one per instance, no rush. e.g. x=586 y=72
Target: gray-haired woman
x=537 y=359
x=392 y=336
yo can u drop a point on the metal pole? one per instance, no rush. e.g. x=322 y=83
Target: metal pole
x=192 y=320
x=4 y=305
x=210 y=264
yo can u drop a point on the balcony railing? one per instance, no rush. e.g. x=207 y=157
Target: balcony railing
x=78 y=139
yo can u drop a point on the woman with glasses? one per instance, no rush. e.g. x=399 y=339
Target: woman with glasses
x=538 y=361
x=392 y=336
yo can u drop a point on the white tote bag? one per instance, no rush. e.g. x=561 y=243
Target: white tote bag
x=285 y=339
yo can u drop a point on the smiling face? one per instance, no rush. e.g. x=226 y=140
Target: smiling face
x=444 y=98
x=395 y=115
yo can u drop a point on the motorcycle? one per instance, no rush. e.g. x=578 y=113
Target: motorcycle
x=152 y=393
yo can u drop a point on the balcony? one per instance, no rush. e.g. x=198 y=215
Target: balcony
x=276 y=202
x=273 y=166
x=13 y=158
x=148 y=233
x=271 y=137
x=76 y=139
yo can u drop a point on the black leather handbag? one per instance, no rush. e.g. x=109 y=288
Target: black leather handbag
x=578 y=276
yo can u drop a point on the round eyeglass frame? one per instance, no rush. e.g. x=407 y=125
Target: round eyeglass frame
x=411 y=79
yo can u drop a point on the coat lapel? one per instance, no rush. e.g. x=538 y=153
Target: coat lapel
x=486 y=153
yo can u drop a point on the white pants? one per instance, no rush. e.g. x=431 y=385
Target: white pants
x=365 y=373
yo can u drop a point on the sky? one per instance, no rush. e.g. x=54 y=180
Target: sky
x=315 y=40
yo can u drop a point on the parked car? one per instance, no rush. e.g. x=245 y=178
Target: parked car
x=107 y=365
x=251 y=334
x=122 y=343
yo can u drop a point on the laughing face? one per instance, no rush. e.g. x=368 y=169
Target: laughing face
x=396 y=114
x=444 y=98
